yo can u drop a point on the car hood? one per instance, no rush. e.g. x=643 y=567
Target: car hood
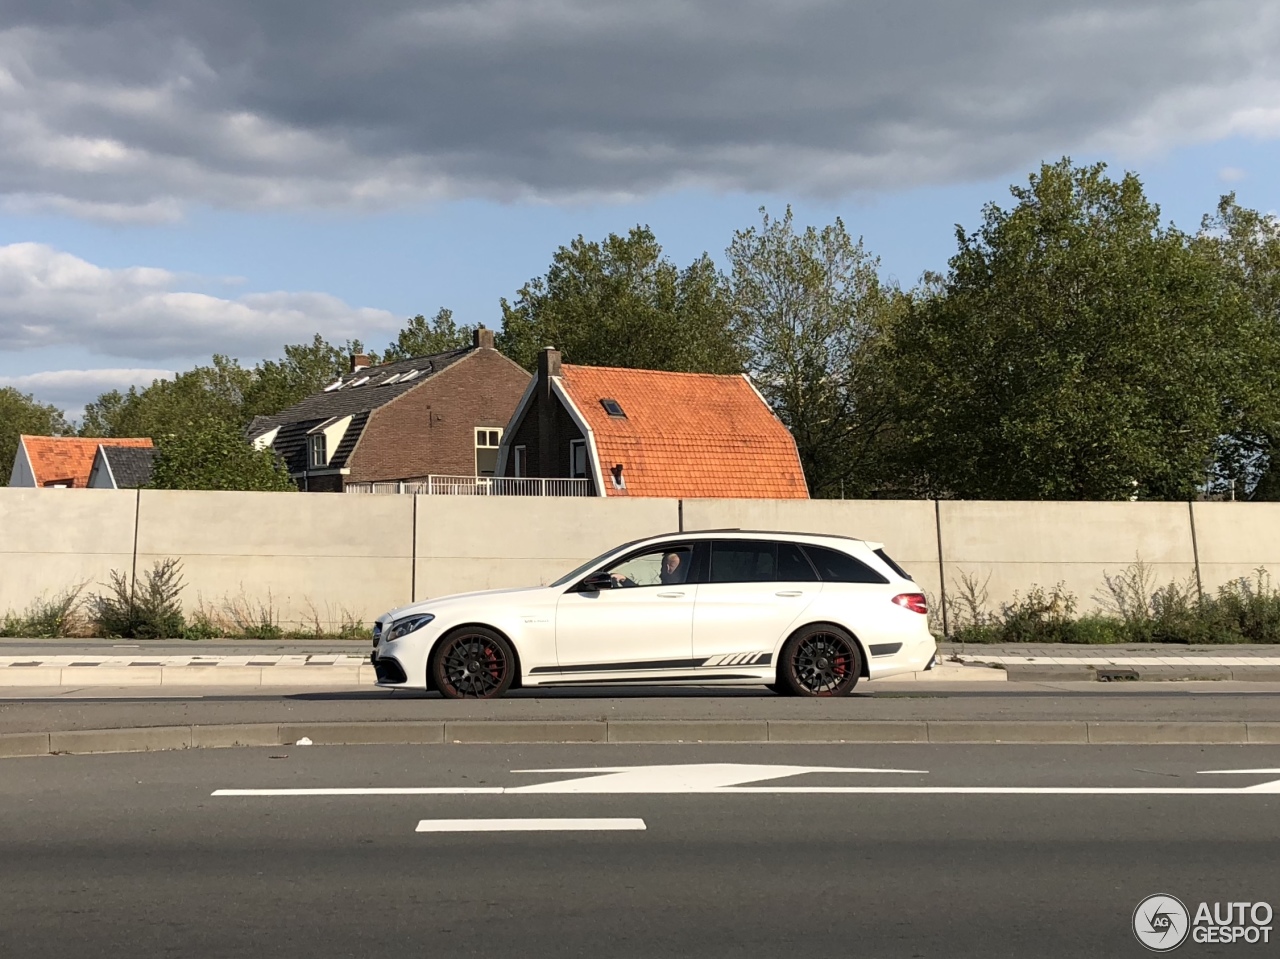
x=520 y=594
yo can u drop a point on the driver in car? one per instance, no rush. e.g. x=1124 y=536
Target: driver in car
x=672 y=573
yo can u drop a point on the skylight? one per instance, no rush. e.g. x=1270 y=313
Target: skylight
x=612 y=408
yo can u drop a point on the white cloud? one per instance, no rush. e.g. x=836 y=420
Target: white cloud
x=1231 y=174
x=70 y=390
x=136 y=110
x=50 y=298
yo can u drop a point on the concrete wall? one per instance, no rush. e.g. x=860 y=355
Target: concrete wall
x=55 y=539
x=1010 y=546
x=326 y=557
x=317 y=556
x=488 y=542
x=1235 y=539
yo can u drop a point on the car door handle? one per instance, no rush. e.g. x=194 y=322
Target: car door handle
x=671 y=595
x=789 y=592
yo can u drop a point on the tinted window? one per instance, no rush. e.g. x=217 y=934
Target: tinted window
x=742 y=561
x=792 y=565
x=892 y=565
x=837 y=567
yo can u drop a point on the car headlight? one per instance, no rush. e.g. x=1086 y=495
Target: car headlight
x=403 y=627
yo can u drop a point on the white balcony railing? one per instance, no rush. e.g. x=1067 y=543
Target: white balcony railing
x=480 y=486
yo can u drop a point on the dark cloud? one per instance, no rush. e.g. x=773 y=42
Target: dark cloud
x=137 y=109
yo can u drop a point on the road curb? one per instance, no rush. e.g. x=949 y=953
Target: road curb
x=157 y=738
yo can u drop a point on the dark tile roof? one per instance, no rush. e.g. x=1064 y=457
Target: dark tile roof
x=359 y=399
x=291 y=442
x=130 y=466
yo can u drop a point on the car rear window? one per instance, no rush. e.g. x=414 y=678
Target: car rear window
x=793 y=566
x=837 y=567
x=888 y=561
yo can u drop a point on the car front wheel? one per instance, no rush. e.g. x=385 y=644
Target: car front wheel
x=820 y=661
x=473 y=663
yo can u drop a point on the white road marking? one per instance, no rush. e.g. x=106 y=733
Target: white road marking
x=528 y=825
x=368 y=791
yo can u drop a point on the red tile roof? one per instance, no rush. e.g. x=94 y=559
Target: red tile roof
x=68 y=459
x=686 y=434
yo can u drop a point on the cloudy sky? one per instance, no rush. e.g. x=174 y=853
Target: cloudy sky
x=181 y=178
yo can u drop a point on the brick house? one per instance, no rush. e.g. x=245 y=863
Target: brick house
x=649 y=433
x=399 y=422
x=68 y=461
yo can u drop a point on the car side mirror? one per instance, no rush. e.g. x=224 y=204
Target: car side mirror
x=596 y=582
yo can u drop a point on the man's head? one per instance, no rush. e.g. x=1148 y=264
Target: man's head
x=670 y=563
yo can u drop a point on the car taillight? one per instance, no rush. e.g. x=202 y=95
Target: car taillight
x=912 y=601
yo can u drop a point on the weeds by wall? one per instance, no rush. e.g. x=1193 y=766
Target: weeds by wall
x=151 y=608
x=1135 y=609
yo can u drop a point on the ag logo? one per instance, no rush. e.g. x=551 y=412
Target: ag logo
x=1161 y=923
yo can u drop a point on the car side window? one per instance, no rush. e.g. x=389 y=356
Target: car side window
x=668 y=565
x=837 y=567
x=743 y=561
x=793 y=566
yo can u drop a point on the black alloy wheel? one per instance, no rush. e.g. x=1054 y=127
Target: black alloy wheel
x=820 y=661
x=473 y=663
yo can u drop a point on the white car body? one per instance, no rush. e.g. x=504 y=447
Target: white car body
x=697 y=633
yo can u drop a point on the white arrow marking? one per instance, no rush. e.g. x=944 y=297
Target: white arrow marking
x=730 y=779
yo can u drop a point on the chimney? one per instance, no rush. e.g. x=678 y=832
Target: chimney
x=359 y=361
x=548 y=367
x=482 y=339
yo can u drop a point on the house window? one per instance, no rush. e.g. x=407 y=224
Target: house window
x=487 y=442
x=521 y=461
x=613 y=408
x=578 y=459
x=317 y=456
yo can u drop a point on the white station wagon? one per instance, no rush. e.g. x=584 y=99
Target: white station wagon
x=805 y=615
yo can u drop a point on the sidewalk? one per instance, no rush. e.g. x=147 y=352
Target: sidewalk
x=1045 y=662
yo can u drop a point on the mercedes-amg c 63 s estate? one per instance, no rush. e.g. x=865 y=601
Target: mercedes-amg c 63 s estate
x=805 y=615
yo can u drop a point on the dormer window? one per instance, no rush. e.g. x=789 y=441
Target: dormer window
x=613 y=408
x=317 y=455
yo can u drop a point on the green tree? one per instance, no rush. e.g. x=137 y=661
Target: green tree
x=19 y=414
x=622 y=303
x=304 y=369
x=421 y=337
x=1076 y=349
x=1245 y=245
x=812 y=310
x=213 y=454
x=216 y=392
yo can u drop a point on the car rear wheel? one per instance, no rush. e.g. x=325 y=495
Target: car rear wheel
x=473 y=663
x=820 y=661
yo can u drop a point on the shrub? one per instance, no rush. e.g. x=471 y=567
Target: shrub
x=55 y=618
x=152 y=612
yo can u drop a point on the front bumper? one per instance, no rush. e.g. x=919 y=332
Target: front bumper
x=388 y=670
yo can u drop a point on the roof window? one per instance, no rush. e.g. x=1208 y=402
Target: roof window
x=613 y=408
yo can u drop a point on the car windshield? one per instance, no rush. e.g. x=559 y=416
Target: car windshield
x=578 y=572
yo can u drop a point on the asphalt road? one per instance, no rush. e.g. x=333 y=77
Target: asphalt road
x=133 y=855
x=29 y=709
